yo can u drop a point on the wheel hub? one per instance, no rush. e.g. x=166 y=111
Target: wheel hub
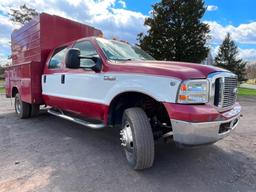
x=126 y=137
x=18 y=105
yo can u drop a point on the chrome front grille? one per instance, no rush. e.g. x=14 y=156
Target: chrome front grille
x=229 y=91
x=223 y=92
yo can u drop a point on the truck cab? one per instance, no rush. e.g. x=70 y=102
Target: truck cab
x=102 y=83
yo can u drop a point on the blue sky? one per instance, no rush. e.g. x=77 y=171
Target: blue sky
x=228 y=12
x=124 y=19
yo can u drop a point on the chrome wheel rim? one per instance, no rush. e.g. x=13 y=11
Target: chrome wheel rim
x=126 y=137
x=17 y=105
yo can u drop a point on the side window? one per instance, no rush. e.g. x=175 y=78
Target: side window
x=58 y=56
x=87 y=50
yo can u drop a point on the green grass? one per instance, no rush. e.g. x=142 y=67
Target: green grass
x=2 y=90
x=246 y=92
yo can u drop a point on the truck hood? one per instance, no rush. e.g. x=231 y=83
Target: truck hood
x=178 y=70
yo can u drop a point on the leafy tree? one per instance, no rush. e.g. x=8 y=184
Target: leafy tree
x=176 y=31
x=22 y=15
x=1 y=72
x=227 y=58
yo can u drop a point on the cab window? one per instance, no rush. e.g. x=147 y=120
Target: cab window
x=57 y=58
x=87 y=50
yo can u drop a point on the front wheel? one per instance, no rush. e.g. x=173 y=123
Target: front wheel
x=137 y=139
x=21 y=108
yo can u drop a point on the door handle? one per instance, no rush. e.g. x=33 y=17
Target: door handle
x=62 y=79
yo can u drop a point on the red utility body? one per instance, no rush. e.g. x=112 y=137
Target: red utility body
x=31 y=46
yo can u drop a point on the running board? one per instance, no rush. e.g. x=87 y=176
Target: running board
x=76 y=120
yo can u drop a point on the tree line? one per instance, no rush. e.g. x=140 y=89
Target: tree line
x=1 y=72
x=176 y=32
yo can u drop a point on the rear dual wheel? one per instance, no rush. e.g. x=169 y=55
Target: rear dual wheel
x=23 y=109
x=137 y=139
x=34 y=110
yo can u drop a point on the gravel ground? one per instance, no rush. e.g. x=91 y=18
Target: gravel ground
x=51 y=154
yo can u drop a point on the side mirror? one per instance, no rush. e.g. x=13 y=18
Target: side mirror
x=72 y=59
x=95 y=65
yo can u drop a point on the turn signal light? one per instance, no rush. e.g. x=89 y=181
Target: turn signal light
x=183 y=87
x=183 y=97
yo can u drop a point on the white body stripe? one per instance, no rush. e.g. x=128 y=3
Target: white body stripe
x=103 y=87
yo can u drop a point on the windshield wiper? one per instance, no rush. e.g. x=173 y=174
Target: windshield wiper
x=122 y=59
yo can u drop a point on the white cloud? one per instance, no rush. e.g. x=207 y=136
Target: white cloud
x=244 y=33
x=122 y=3
x=4 y=41
x=5 y=22
x=102 y=14
x=248 y=54
x=99 y=13
x=212 y=8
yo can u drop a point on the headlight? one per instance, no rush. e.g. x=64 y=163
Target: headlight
x=194 y=91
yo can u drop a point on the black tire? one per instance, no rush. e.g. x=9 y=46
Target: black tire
x=34 y=110
x=21 y=108
x=143 y=152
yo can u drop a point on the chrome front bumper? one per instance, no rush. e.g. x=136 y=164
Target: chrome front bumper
x=189 y=133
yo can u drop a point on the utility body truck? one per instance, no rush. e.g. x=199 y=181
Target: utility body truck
x=102 y=83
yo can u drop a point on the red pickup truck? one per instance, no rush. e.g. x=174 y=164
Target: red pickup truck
x=102 y=83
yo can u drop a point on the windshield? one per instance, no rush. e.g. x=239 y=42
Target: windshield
x=119 y=51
